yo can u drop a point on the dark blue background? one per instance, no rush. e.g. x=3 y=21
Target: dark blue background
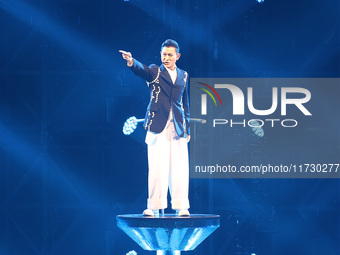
x=66 y=169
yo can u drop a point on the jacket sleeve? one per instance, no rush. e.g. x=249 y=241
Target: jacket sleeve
x=147 y=73
x=186 y=105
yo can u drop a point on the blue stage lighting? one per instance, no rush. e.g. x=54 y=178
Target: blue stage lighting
x=59 y=32
x=131 y=253
x=130 y=125
x=260 y=1
x=256 y=127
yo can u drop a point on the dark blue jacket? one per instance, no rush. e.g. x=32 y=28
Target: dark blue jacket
x=165 y=95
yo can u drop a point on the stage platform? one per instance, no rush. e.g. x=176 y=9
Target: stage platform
x=168 y=234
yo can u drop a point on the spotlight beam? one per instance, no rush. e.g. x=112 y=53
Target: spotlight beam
x=200 y=30
x=79 y=44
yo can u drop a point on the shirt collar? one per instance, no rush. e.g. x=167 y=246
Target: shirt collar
x=169 y=70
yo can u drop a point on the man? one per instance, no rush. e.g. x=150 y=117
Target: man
x=168 y=130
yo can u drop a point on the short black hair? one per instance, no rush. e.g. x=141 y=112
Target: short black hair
x=170 y=43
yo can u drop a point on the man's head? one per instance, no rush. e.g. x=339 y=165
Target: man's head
x=170 y=53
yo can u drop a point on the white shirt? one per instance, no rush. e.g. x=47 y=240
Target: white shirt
x=173 y=74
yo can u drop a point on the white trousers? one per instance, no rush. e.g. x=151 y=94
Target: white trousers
x=168 y=168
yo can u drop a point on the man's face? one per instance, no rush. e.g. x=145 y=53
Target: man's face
x=169 y=57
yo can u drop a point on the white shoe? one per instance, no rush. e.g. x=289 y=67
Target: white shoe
x=150 y=212
x=183 y=213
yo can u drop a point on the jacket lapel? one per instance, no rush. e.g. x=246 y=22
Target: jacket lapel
x=166 y=74
x=180 y=76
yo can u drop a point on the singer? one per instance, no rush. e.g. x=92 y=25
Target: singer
x=167 y=122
